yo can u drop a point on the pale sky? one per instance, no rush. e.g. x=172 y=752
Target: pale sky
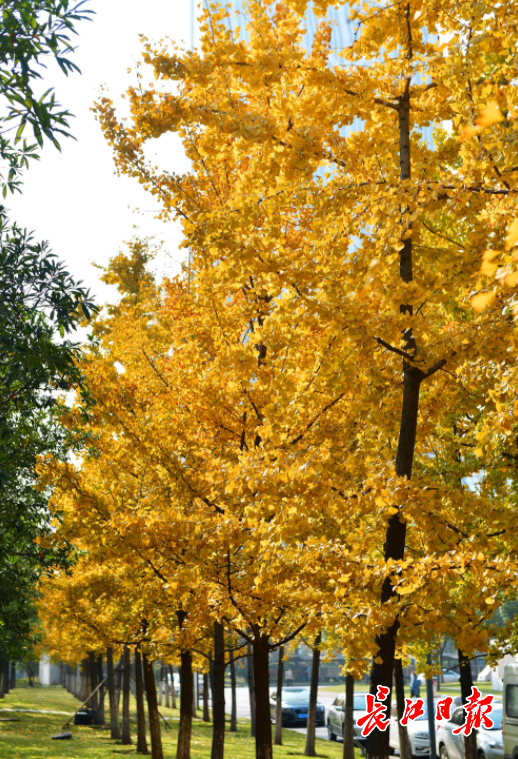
x=73 y=199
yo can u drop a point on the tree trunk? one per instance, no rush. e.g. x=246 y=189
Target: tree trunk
x=348 y=752
x=92 y=671
x=466 y=687
x=85 y=681
x=309 y=749
x=377 y=746
x=2 y=678
x=102 y=691
x=218 y=705
x=141 y=715
x=277 y=737
x=233 y=710
x=405 y=749
x=126 y=732
x=152 y=705
x=183 y=750
x=173 y=693
x=120 y=674
x=263 y=737
x=251 y=688
x=7 y=678
x=206 y=715
x=114 y=704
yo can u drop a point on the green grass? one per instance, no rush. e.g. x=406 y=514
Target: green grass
x=31 y=737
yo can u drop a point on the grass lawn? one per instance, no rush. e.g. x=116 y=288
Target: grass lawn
x=31 y=737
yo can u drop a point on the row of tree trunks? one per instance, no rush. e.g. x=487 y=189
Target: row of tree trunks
x=91 y=674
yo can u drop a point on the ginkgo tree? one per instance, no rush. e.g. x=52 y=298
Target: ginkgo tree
x=175 y=495
x=317 y=196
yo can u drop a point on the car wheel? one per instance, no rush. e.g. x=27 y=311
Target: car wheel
x=442 y=752
x=481 y=755
x=330 y=734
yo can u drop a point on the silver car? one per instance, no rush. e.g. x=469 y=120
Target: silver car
x=490 y=742
x=417 y=730
x=335 y=718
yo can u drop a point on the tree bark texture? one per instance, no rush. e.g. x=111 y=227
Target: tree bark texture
x=309 y=749
x=233 y=709
x=115 y=729
x=141 y=715
x=206 y=715
x=251 y=688
x=348 y=729
x=405 y=749
x=152 y=705
x=263 y=726
x=218 y=704
x=126 y=732
x=466 y=686
x=183 y=750
x=277 y=738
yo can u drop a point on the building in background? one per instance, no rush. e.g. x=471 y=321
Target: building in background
x=49 y=674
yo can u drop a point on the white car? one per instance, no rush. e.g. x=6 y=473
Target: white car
x=335 y=718
x=490 y=743
x=417 y=730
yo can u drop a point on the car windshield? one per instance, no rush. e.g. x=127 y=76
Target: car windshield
x=359 y=704
x=297 y=694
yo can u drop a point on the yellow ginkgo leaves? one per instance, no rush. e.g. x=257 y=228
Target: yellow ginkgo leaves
x=489 y=115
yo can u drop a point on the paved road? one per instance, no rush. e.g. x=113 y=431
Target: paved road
x=243 y=707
